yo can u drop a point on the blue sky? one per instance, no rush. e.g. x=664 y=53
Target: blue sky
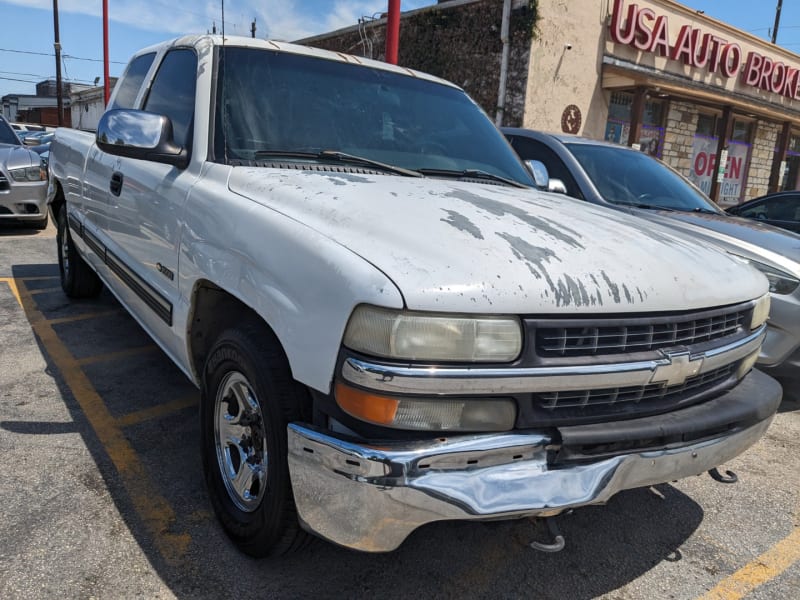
x=27 y=27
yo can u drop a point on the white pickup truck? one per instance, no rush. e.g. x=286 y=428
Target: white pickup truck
x=388 y=324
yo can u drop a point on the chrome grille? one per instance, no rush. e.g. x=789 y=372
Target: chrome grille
x=604 y=336
x=654 y=393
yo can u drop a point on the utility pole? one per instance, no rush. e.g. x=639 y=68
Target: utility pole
x=106 y=80
x=57 y=46
x=393 y=32
x=777 y=21
x=253 y=28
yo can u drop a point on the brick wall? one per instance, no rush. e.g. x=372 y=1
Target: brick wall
x=458 y=41
x=764 y=142
x=679 y=136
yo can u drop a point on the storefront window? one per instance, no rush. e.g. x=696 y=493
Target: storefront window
x=618 y=127
x=704 y=156
x=791 y=174
x=707 y=125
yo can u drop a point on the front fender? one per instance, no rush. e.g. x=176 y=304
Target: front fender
x=303 y=284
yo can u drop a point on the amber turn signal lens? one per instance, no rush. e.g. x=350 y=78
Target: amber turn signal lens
x=366 y=406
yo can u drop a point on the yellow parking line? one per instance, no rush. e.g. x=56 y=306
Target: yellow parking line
x=13 y=285
x=759 y=571
x=155 y=512
x=109 y=356
x=156 y=412
x=83 y=316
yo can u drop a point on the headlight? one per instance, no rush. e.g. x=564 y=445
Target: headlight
x=28 y=173
x=760 y=312
x=428 y=414
x=780 y=282
x=429 y=336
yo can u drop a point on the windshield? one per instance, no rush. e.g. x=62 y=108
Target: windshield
x=635 y=179
x=7 y=135
x=276 y=101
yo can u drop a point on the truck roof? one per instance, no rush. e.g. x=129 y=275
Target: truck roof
x=206 y=40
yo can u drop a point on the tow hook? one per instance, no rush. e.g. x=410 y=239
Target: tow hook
x=557 y=544
x=717 y=476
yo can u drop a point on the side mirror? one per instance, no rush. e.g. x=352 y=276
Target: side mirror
x=141 y=135
x=540 y=175
x=556 y=186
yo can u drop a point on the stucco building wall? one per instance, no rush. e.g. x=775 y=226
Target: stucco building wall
x=565 y=67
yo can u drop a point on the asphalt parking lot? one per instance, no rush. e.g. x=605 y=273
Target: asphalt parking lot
x=102 y=492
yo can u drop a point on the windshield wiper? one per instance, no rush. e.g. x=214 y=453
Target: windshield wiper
x=705 y=211
x=472 y=174
x=335 y=155
x=642 y=205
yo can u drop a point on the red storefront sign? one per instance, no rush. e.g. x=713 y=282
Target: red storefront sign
x=643 y=29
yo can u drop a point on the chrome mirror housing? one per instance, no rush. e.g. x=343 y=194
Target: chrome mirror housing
x=141 y=135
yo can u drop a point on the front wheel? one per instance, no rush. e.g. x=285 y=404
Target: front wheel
x=249 y=397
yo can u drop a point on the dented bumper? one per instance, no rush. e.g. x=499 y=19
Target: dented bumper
x=370 y=497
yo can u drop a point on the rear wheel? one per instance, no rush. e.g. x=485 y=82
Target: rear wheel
x=249 y=397
x=78 y=280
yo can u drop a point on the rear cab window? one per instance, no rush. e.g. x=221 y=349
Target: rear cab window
x=128 y=86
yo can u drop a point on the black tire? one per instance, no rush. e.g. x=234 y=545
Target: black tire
x=78 y=280
x=248 y=362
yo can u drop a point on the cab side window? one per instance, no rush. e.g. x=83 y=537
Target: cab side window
x=128 y=86
x=172 y=92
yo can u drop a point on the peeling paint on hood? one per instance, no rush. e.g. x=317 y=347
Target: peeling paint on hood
x=466 y=247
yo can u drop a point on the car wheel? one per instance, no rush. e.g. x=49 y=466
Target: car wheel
x=248 y=398
x=78 y=280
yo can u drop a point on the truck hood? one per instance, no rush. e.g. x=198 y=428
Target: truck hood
x=758 y=241
x=467 y=247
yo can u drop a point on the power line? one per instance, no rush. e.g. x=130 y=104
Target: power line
x=28 y=74
x=116 y=62
x=22 y=80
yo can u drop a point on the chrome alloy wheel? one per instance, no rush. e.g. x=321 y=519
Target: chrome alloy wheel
x=240 y=441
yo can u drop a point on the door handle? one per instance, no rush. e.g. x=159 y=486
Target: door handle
x=116 y=183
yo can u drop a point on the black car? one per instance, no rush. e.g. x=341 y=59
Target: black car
x=781 y=209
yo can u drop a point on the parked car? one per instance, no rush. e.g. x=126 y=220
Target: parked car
x=781 y=209
x=27 y=127
x=23 y=181
x=37 y=138
x=625 y=179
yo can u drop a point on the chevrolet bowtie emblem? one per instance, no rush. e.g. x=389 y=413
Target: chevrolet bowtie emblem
x=678 y=370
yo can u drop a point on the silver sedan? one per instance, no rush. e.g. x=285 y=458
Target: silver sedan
x=23 y=181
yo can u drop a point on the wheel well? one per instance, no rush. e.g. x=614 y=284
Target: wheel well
x=58 y=201
x=213 y=311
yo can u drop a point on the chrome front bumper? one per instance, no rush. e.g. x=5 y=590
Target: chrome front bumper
x=370 y=497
